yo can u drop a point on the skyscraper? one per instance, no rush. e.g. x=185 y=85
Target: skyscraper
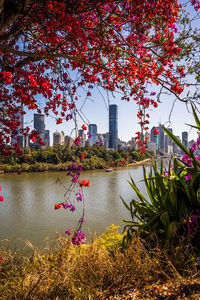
x=82 y=136
x=185 y=138
x=161 y=140
x=18 y=137
x=39 y=125
x=93 y=133
x=47 y=138
x=113 y=126
x=56 y=138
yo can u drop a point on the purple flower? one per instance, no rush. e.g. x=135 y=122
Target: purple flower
x=89 y=135
x=67 y=231
x=78 y=238
x=72 y=208
x=153 y=93
x=65 y=205
x=165 y=173
x=82 y=220
x=188 y=177
x=79 y=196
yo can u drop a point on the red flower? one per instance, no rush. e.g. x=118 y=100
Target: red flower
x=59 y=121
x=142 y=148
x=6 y=77
x=155 y=131
x=1 y=199
x=82 y=155
x=84 y=183
x=84 y=127
x=155 y=104
x=57 y=206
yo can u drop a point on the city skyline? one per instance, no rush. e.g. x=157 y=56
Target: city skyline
x=158 y=143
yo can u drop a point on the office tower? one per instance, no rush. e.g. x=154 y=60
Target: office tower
x=113 y=126
x=170 y=141
x=39 y=126
x=82 y=136
x=185 y=138
x=161 y=140
x=18 y=136
x=56 y=138
x=93 y=133
x=176 y=149
x=62 y=140
x=106 y=139
x=166 y=144
x=68 y=141
x=152 y=147
x=47 y=138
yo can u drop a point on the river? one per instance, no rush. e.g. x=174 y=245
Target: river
x=27 y=213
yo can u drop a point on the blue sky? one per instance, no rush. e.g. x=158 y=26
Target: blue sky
x=95 y=110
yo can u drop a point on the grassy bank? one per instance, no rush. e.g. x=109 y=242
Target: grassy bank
x=88 y=164
x=102 y=269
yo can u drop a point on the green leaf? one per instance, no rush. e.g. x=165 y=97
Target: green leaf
x=164 y=218
x=125 y=204
x=192 y=126
x=196 y=117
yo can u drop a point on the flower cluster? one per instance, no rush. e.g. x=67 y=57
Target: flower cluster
x=186 y=159
x=78 y=238
x=84 y=183
x=192 y=223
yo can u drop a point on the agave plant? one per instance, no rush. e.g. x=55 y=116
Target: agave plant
x=173 y=195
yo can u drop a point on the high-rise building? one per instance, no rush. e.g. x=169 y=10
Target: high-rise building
x=176 y=149
x=161 y=140
x=170 y=141
x=113 y=126
x=185 y=138
x=18 y=136
x=47 y=138
x=166 y=144
x=56 y=138
x=40 y=126
x=93 y=133
x=82 y=136
x=62 y=141
x=68 y=141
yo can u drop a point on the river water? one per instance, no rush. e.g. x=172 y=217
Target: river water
x=27 y=212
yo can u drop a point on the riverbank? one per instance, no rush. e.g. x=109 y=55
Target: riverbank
x=45 y=167
x=102 y=269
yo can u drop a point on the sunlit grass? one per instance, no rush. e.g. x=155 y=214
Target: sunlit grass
x=97 y=270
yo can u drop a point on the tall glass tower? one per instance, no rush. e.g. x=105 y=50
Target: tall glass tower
x=113 y=126
x=18 y=136
x=93 y=132
x=39 y=125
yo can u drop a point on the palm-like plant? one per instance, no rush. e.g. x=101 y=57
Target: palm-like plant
x=173 y=195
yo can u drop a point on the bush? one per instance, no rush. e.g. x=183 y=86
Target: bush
x=173 y=204
x=25 y=167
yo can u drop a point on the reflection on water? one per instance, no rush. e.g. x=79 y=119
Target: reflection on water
x=28 y=210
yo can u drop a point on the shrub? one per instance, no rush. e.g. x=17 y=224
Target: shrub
x=173 y=203
x=25 y=167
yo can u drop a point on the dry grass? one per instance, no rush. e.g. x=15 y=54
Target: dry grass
x=98 y=271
